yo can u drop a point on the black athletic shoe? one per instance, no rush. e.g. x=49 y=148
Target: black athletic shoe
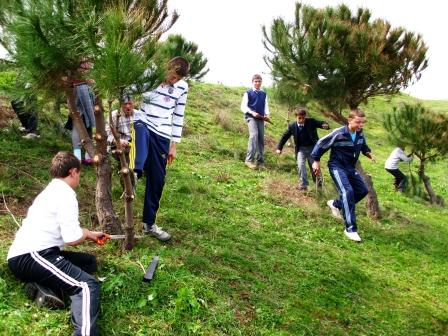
x=31 y=290
x=43 y=296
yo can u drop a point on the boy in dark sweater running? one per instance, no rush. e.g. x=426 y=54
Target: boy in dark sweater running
x=304 y=132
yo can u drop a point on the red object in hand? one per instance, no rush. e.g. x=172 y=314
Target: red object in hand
x=170 y=158
x=103 y=239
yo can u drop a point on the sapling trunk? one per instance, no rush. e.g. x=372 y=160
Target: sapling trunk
x=125 y=172
x=372 y=205
x=107 y=218
x=433 y=198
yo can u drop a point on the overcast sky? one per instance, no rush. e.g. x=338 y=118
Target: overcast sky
x=229 y=34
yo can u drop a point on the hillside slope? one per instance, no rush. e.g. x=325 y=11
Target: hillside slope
x=250 y=255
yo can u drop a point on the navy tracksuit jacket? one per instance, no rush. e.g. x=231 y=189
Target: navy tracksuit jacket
x=343 y=157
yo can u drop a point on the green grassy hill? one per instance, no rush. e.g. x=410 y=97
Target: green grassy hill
x=250 y=254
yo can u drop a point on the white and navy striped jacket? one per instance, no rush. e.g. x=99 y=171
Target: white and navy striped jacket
x=162 y=110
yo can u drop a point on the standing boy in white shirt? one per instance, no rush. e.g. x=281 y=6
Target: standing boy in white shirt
x=36 y=255
x=256 y=111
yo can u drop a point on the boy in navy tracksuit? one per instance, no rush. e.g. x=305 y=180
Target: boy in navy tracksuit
x=346 y=143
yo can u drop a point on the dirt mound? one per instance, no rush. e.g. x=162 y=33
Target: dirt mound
x=270 y=143
x=6 y=112
x=288 y=194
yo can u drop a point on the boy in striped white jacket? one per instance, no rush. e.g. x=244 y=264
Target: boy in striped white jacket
x=158 y=129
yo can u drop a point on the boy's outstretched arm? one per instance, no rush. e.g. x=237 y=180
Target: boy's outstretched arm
x=285 y=136
x=172 y=153
x=323 y=145
x=322 y=124
x=366 y=151
x=370 y=156
x=86 y=234
x=316 y=168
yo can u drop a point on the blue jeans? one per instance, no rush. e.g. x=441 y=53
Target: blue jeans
x=255 y=146
x=85 y=101
x=304 y=156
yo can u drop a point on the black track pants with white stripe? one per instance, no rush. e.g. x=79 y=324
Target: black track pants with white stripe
x=60 y=270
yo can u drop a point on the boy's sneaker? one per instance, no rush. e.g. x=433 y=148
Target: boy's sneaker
x=352 y=236
x=43 y=296
x=156 y=232
x=334 y=211
x=250 y=164
x=31 y=136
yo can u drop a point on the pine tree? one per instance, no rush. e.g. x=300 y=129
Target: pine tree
x=50 y=38
x=423 y=132
x=177 y=45
x=124 y=57
x=340 y=59
x=5 y=39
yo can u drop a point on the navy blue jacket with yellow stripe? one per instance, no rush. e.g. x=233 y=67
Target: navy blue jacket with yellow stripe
x=344 y=151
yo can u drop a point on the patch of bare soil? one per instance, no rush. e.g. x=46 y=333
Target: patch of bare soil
x=10 y=205
x=245 y=316
x=287 y=193
x=6 y=112
x=270 y=143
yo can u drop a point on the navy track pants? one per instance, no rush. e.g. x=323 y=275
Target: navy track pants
x=151 y=155
x=352 y=189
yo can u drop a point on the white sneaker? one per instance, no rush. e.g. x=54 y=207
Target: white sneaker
x=31 y=136
x=352 y=236
x=156 y=232
x=334 y=211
